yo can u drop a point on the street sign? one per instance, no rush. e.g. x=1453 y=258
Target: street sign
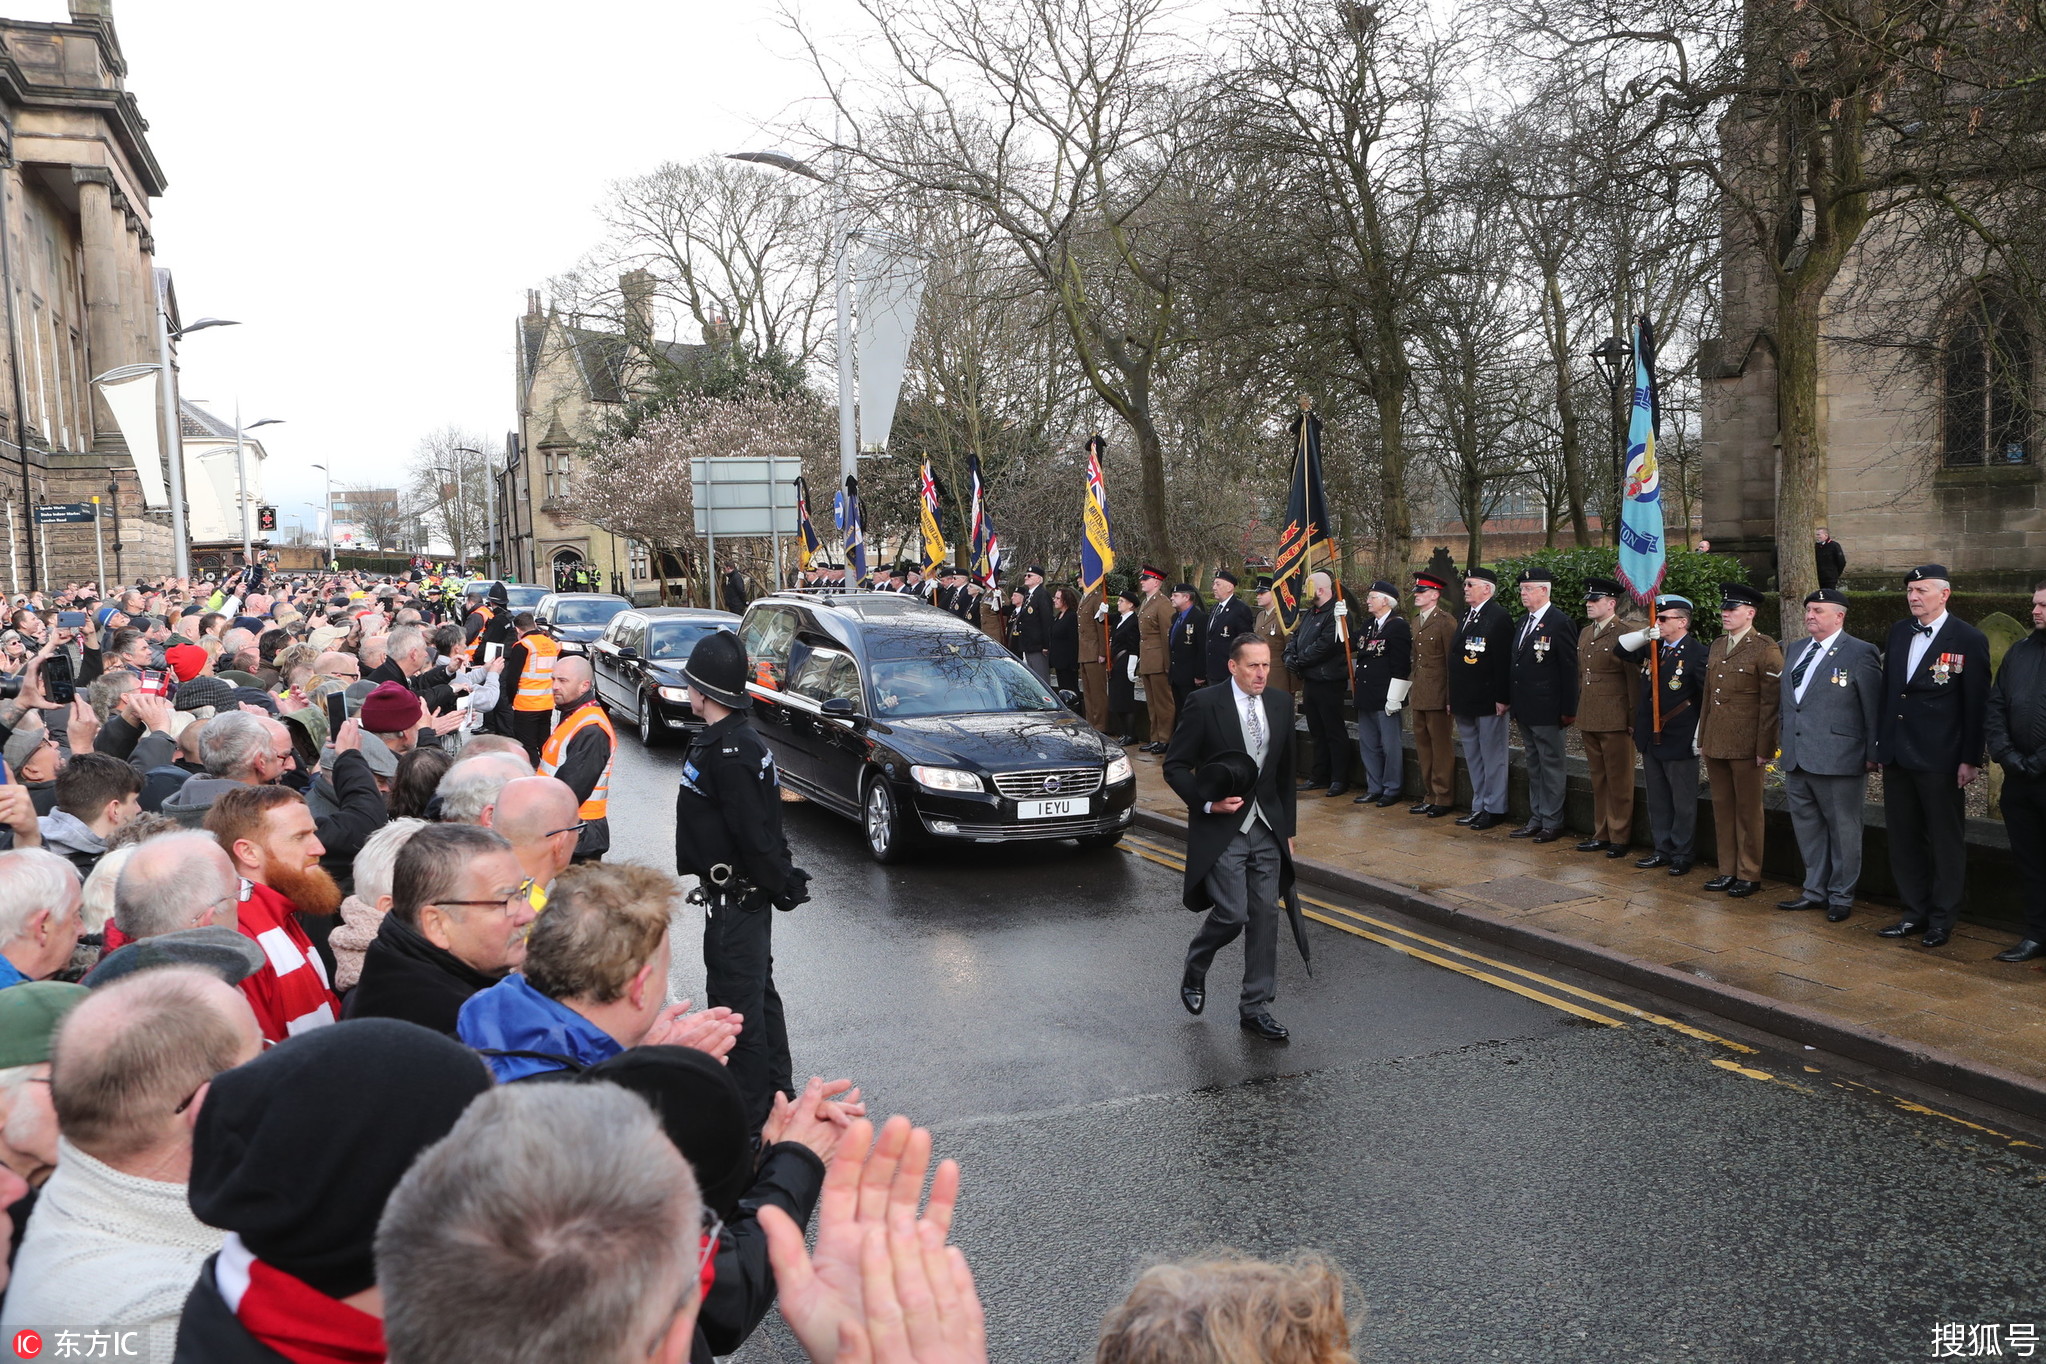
x=743 y=496
x=65 y=513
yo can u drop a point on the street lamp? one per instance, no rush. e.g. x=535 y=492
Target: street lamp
x=241 y=475
x=1613 y=356
x=181 y=544
x=328 y=514
x=489 y=504
x=453 y=469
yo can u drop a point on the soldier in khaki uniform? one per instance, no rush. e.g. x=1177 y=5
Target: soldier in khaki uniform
x=1737 y=735
x=1606 y=684
x=1154 y=656
x=1094 y=626
x=1434 y=728
x=1274 y=634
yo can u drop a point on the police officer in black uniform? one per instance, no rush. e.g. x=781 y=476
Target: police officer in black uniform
x=728 y=834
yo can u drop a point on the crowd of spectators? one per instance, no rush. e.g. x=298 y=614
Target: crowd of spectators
x=327 y=1035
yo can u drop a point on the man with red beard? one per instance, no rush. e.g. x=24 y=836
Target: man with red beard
x=268 y=833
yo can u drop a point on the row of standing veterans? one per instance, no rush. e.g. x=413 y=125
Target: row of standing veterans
x=1827 y=711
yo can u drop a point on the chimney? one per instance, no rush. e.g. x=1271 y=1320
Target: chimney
x=92 y=11
x=718 y=335
x=532 y=303
x=636 y=287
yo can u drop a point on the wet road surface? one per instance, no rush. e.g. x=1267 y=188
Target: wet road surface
x=1499 y=1179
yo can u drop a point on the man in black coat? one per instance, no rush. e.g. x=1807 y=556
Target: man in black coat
x=1832 y=559
x=1544 y=701
x=2015 y=729
x=733 y=590
x=1672 y=692
x=1931 y=743
x=1229 y=617
x=1315 y=654
x=1385 y=672
x=1480 y=694
x=1188 y=668
x=1238 y=847
x=458 y=920
x=1033 y=625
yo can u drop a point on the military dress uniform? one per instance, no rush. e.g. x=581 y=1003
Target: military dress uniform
x=1094 y=632
x=1672 y=689
x=1188 y=652
x=1607 y=681
x=1228 y=618
x=1273 y=633
x=728 y=834
x=1736 y=735
x=1154 y=660
x=1434 y=639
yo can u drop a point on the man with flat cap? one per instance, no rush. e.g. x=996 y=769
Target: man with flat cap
x=1434 y=633
x=1544 y=701
x=1033 y=625
x=1238 y=847
x=1154 y=656
x=1189 y=647
x=1931 y=743
x=1826 y=747
x=1737 y=727
x=1666 y=729
x=1481 y=693
x=1229 y=617
x=1385 y=671
x=1607 y=681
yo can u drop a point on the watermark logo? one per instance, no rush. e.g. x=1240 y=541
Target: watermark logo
x=27 y=1345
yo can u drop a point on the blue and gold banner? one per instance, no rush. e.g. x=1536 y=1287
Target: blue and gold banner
x=1644 y=550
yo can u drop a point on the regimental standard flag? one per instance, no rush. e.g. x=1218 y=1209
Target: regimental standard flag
x=1304 y=543
x=934 y=538
x=855 y=534
x=1097 y=536
x=811 y=541
x=985 y=552
x=1644 y=551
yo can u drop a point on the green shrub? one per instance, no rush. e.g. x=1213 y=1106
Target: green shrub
x=1688 y=574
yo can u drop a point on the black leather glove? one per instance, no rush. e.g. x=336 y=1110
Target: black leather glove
x=796 y=892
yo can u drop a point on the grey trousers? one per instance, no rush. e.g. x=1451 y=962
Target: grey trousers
x=1039 y=662
x=1672 y=803
x=1826 y=812
x=1546 y=774
x=1484 y=754
x=1378 y=743
x=1244 y=885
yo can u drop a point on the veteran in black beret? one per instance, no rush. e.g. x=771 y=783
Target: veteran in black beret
x=1229 y=617
x=1831 y=703
x=1544 y=701
x=1481 y=694
x=1931 y=743
x=1385 y=672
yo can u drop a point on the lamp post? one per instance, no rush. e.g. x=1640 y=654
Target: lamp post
x=456 y=525
x=489 y=506
x=241 y=477
x=1612 y=356
x=173 y=420
x=328 y=512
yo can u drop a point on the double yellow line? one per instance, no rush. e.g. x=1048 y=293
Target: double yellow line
x=1556 y=994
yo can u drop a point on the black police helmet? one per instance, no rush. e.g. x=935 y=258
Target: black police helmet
x=717 y=668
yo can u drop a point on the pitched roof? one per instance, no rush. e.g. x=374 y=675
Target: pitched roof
x=198 y=424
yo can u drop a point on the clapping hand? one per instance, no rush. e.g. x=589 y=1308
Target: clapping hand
x=812 y=1119
x=712 y=1031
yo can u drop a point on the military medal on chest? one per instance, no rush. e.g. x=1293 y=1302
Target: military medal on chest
x=1944 y=668
x=1839 y=677
x=1472 y=647
x=1676 y=676
x=1541 y=648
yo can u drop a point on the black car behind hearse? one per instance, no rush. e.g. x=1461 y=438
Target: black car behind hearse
x=903 y=717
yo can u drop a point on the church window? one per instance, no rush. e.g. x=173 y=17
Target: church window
x=1989 y=382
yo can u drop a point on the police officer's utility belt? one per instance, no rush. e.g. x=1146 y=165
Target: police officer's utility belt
x=721 y=888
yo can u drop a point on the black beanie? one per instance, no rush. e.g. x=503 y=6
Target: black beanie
x=297 y=1151
x=698 y=1103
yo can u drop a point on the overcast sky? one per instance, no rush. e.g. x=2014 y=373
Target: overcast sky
x=371 y=188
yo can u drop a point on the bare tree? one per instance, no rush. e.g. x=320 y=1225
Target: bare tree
x=379 y=514
x=446 y=493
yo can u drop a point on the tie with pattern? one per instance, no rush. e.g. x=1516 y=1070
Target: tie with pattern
x=1257 y=731
x=1804 y=662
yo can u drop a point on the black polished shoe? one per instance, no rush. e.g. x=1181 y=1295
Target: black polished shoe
x=1194 y=994
x=1740 y=890
x=1527 y=830
x=1618 y=850
x=1593 y=845
x=1903 y=928
x=2027 y=950
x=1340 y=788
x=1652 y=860
x=1423 y=808
x=1547 y=836
x=1265 y=1026
x=1389 y=798
x=1309 y=785
x=1438 y=811
x=1838 y=914
x=1487 y=820
x=1365 y=800
x=1469 y=819
x=1154 y=748
x=1801 y=902
x=1680 y=866
x=1720 y=883
x=1126 y=740
x=1935 y=937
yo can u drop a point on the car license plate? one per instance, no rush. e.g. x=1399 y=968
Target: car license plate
x=1070 y=808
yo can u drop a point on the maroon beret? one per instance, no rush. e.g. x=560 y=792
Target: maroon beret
x=391 y=709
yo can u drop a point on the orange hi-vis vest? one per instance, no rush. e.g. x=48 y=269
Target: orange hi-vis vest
x=536 y=679
x=555 y=750
x=474 y=646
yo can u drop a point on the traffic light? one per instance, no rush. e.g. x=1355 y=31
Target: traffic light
x=266 y=519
